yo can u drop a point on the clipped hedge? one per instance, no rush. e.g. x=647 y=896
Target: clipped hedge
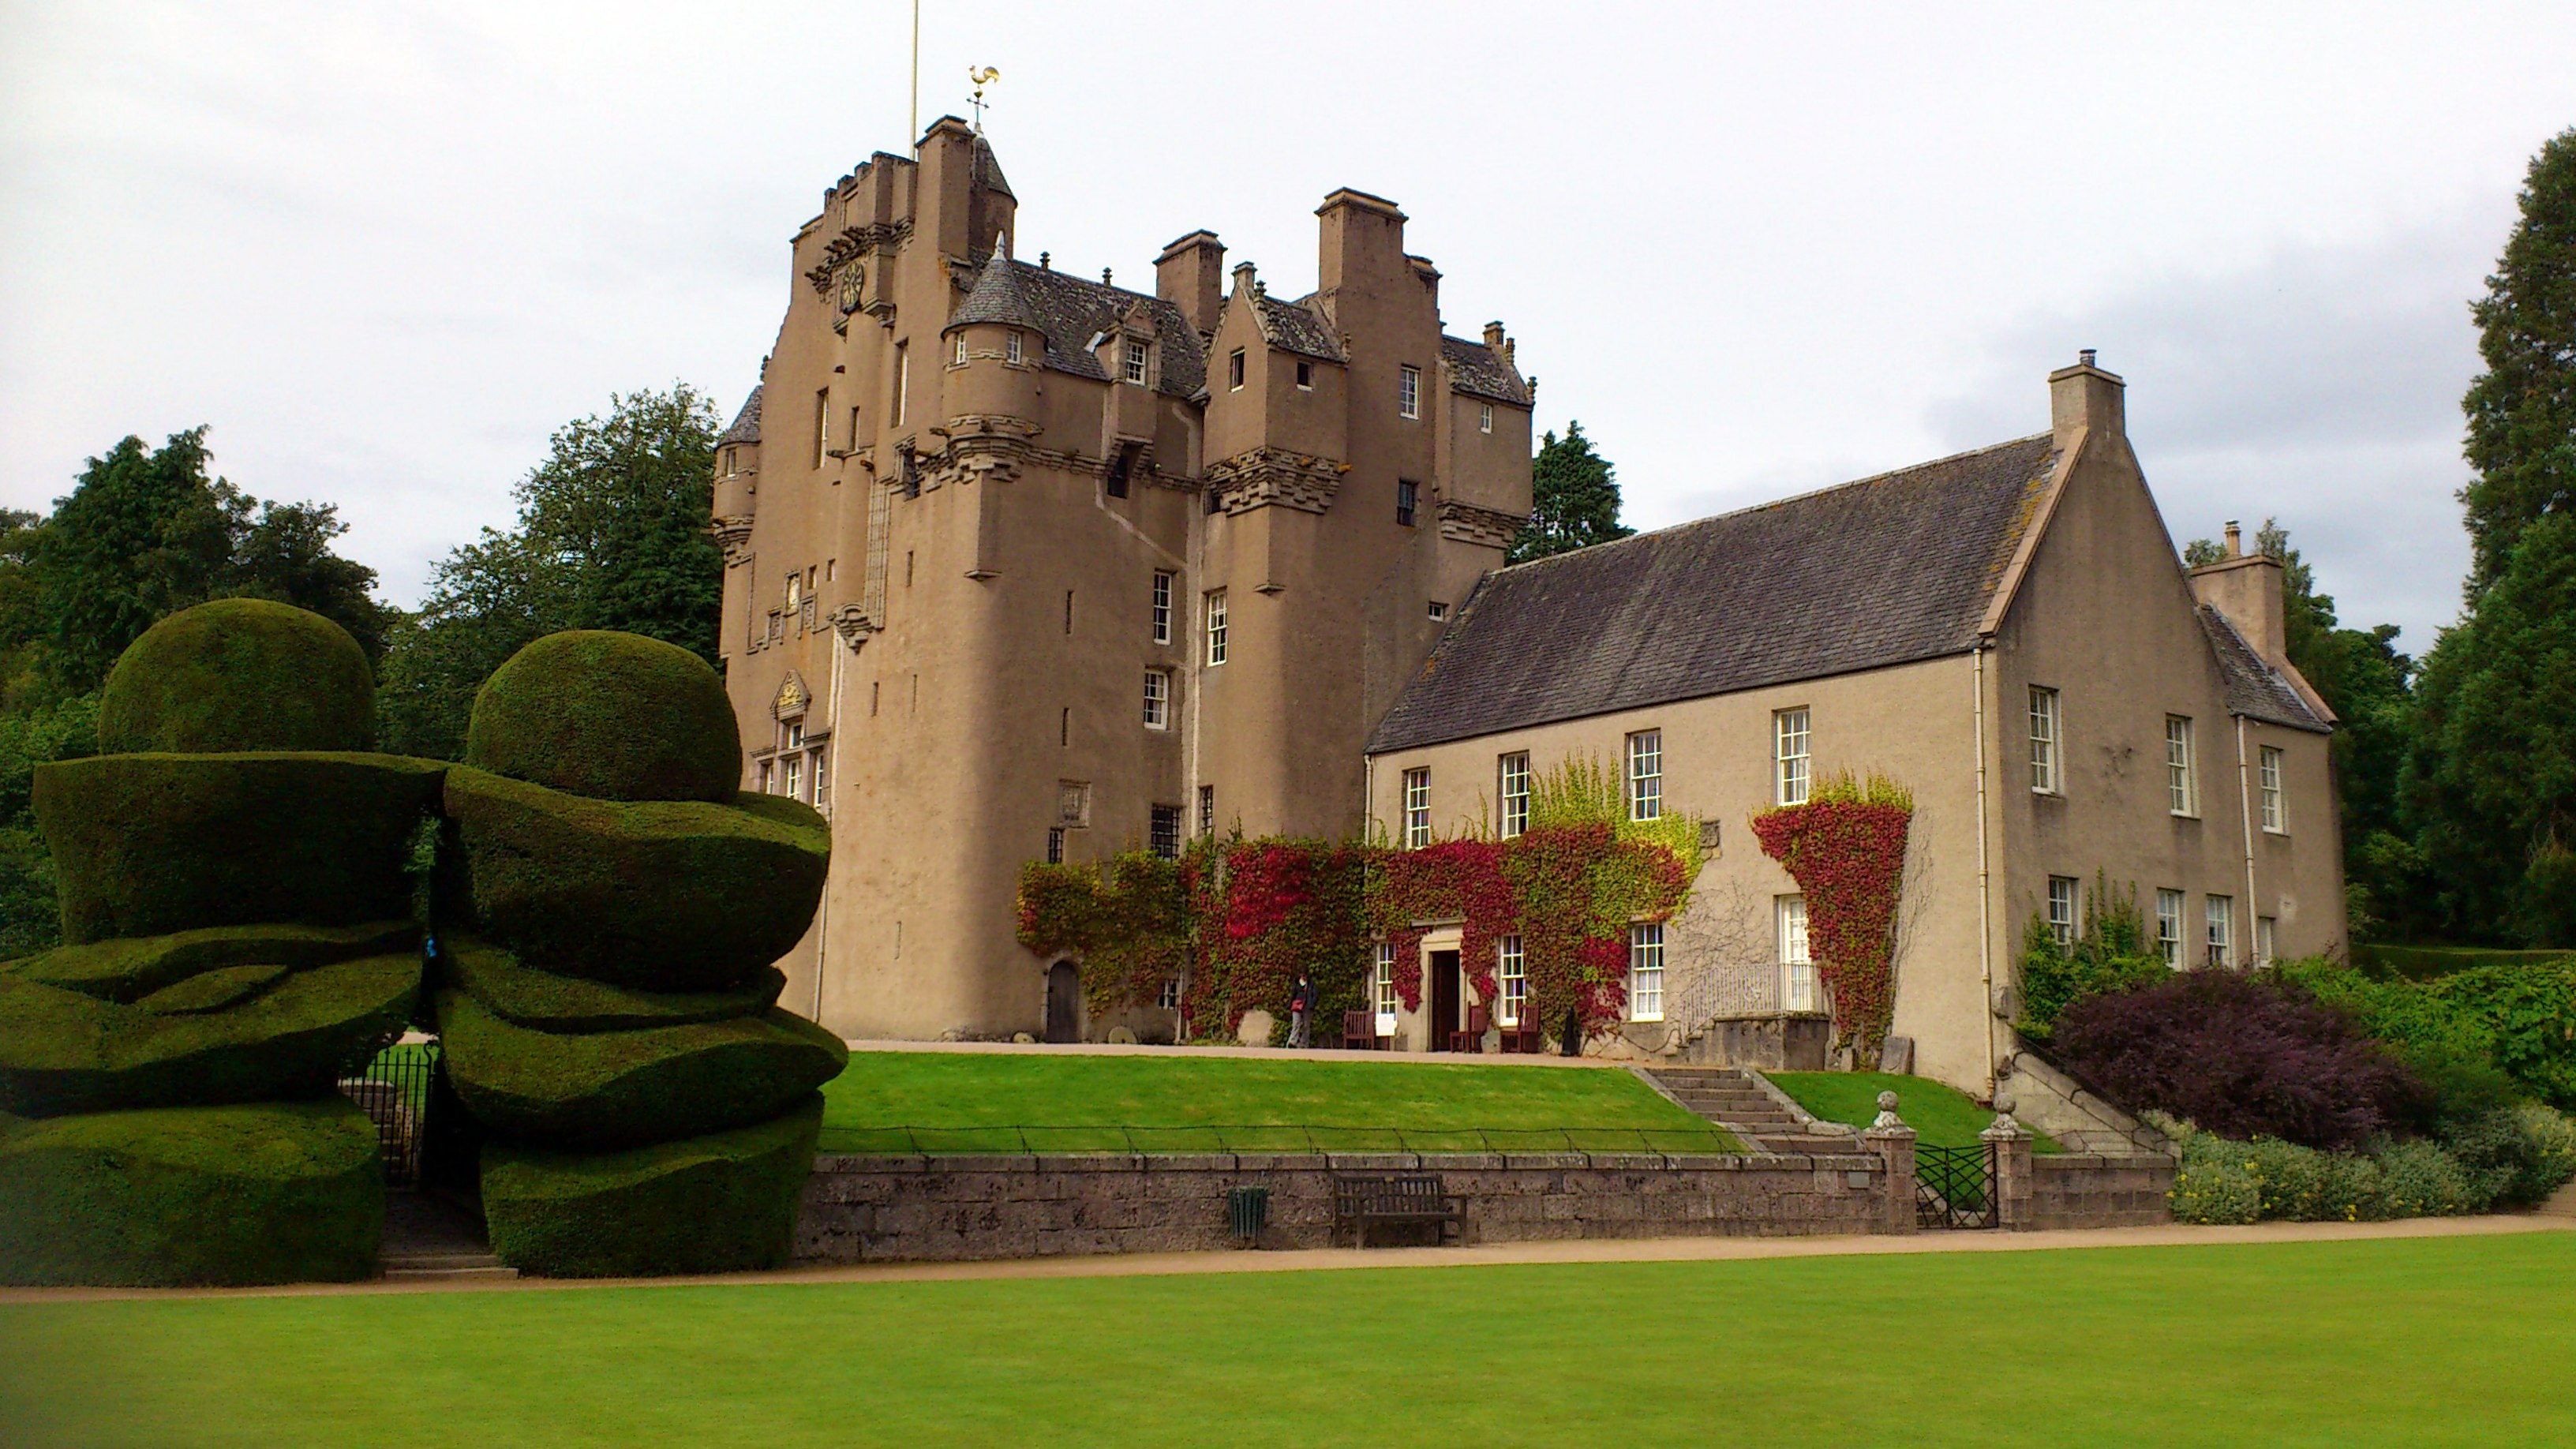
x=623 y=1088
x=62 y=1052
x=657 y=895
x=2514 y=1157
x=545 y=1001
x=134 y=968
x=281 y=1193
x=609 y=715
x=146 y=845
x=721 y=1203
x=239 y=674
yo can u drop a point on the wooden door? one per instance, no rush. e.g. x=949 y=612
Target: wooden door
x=1064 y=1002
x=1443 y=993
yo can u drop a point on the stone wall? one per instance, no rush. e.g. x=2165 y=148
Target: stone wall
x=873 y=1209
x=2078 y=1190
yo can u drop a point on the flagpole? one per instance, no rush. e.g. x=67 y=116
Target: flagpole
x=916 y=73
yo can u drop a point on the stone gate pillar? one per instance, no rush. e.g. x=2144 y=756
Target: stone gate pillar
x=1893 y=1141
x=2013 y=1171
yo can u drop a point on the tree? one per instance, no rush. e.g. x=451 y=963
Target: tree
x=2489 y=784
x=611 y=534
x=2522 y=409
x=1574 y=499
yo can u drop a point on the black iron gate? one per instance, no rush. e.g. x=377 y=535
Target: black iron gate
x=395 y=1091
x=1954 y=1187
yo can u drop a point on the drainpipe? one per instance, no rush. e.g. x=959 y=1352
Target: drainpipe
x=2245 y=816
x=1985 y=912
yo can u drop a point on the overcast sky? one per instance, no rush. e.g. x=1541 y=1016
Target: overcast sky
x=385 y=249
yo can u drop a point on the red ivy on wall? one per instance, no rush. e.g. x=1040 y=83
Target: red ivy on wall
x=1846 y=850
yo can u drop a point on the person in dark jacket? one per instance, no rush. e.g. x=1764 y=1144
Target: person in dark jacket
x=1301 y=1011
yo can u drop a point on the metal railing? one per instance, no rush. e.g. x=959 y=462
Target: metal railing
x=394 y=1091
x=1141 y=1141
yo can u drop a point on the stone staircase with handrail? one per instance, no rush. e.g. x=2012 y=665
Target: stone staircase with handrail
x=1751 y=1108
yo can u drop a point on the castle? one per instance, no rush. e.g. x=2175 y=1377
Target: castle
x=1035 y=567
x=1021 y=565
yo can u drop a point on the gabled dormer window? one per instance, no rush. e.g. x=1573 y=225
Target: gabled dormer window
x=1139 y=353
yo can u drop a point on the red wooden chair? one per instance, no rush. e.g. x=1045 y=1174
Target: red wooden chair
x=1359 y=1030
x=1473 y=1038
x=1523 y=1036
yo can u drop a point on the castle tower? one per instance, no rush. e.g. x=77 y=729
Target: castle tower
x=1034 y=566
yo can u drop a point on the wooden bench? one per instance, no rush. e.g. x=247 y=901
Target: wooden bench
x=1360 y=1199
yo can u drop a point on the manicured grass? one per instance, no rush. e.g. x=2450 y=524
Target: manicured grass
x=1000 y=1102
x=1941 y=1116
x=2444 y=1341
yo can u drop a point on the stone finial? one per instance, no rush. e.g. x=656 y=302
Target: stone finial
x=1887 y=1117
x=2004 y=1129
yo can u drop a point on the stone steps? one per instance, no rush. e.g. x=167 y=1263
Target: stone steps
x=416 y=1267
x=1727 y=1096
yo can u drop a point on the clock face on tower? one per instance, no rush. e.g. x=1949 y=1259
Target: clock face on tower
x=853 y=282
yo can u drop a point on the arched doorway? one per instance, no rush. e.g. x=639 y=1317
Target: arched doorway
x=1064 y=1002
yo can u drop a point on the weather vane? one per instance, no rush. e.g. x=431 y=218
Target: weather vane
x=982 y=76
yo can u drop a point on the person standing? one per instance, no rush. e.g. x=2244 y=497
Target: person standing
x=1301 y=1012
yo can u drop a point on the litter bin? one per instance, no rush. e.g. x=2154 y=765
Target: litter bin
x=1247 y=1212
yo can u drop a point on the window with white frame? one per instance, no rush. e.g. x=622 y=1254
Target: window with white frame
x=1138 y=353
x=902 y=381
x=1646 y=971
x=1485 y=418
x=1162 y=607
x=2275 y=819
x=958 y=354
x=1055 y=845
x=1014 y=351
x=1234 y=370
x=1158 y=699
x=1207 y=811
x=1511 y=981
x=2061 y=910
x=2044 y=777
x=822 y=425
x=1408 y=393
x=1646 y=775
x=1216 y=626
x=2169 y=927
x=1170 y=1000
x=768 y=778
x=1513 y=789
x=1382 y=989
x=2262 y=940
x=1797 y=967
x=2222 y=930
x=1789 y=742
x=1417 y=808
x=2182 y=775
x=793 y=772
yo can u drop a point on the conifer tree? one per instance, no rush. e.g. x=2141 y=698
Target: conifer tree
x=2522 y=409
x=1574 y=498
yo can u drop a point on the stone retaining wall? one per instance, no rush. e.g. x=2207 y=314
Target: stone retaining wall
x=874 y=1209
x=2084 y=1191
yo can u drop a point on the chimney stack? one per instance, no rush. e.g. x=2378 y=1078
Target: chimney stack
x=2247 y=588
x=2087 y=398
x=1189 y=275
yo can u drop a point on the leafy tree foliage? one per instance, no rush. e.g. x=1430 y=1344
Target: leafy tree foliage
x=611 y=534
x=2522 y=409
x=1574 y=499
x=2490 y=776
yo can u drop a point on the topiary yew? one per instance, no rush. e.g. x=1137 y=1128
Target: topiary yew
x=283 y=1193
x=147 y=845
x=722 y=1203
x=663 y=895
x=609 y=715
x=239 y=674
x=545 y=1001
x=63 y=1052
x=130 y=970
x=622 y=1088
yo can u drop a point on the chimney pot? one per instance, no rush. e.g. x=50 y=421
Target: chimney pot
x=1104 y=277
x=2084 y=358
x=1046 y=261
x=2235 y=540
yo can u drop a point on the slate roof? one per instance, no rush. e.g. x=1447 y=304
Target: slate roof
x=1297 y=327
x=2254 y=688
x=1881 y=571
x=1069 y=311
x=997 y=298
x=746 y=424
x=1480 y=371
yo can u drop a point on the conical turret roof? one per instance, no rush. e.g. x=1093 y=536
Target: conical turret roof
x=997 y=298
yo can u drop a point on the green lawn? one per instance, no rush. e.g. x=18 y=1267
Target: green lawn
x=996 y=1102
x=2443 y=1341
x=1940 y=1116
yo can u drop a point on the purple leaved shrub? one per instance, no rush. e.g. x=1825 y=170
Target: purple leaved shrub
x=2240 y=1054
